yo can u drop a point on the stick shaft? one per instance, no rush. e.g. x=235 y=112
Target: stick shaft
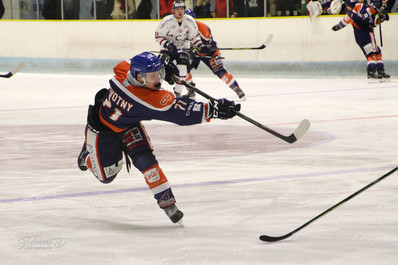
x=381 y=35
x=290 y=139
x=272 y=239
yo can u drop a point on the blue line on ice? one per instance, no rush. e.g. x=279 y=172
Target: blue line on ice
x=197 y=184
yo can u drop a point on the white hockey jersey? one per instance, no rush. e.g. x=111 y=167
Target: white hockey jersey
x=181 y=35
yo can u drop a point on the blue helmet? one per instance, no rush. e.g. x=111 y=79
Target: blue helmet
x=178 y=3
x=145 y=62
x=190 y=12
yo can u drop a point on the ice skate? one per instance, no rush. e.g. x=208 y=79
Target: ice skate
x=81 y=160
x=373 y=77
x=174 y=214
x=384 y=77
x=240 y=93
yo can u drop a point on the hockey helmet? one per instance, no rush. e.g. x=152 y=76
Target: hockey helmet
x=145 y=63
x=190 y=12
x=178 y=3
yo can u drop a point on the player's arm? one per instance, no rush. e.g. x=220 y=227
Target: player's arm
x=363 y=17
x=210 y=47
x=186 y=111
x=344 y=22
x=165 y=44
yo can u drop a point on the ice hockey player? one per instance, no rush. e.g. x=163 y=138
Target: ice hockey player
x=175 y=35
x=364 y=18
x=212 y=59
x=114 y=123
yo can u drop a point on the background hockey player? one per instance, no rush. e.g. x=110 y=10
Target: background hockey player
x=114 y=124
x=364 y=18
x=211 y=58
x=175 y=34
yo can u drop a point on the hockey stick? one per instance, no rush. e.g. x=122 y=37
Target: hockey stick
x=207 y=57
x=15 y=70
x=262 y=46
x=297 y=134
x=381 y=35
x=267 y=41
x=278 y=238
x=196 y=56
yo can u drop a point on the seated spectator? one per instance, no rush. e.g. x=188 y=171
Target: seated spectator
x=103 y=9
x=239 y=9
x=255 y=8
x=165 y=7
x=202 y=10
x=119 y=9
x=52 y=9
x=144 y=9
x=221 y=8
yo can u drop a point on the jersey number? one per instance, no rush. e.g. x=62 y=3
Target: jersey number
x=116 y=114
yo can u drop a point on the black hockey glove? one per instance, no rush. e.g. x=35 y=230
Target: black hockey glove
x=172 y=49
x=171 y=70
x=223 y=109
x=384 y=17
x=337 y=27
x=204 y=49
x=169 y=67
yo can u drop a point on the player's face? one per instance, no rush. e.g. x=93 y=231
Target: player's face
x=179 y=12
x=153 y=79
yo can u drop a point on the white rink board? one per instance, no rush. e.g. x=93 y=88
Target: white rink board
x=296 y=39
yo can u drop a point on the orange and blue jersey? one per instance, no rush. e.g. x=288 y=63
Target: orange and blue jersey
x=362 y=17
x=127 y=104
x=207 y=38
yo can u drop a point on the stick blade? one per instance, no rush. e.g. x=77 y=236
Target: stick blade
x=268 y=40
x=302 y=128
x=274 y=238
x=18 y=68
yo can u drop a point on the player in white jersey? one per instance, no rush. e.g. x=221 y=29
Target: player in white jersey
x=175 y=34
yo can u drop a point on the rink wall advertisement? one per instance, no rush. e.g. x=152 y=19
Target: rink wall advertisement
x=296 y=39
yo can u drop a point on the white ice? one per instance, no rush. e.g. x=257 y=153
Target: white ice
x=233 y=181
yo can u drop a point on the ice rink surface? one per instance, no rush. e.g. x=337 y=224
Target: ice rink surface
x=233 y=181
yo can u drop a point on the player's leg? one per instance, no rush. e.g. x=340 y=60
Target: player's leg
x=194 y=63
x=182 y=65
x=217 y=66
x=380 y=67
x=102 y=154
x=367 y=42
x=139 y=149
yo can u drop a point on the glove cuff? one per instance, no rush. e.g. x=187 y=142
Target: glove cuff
x=208 y=111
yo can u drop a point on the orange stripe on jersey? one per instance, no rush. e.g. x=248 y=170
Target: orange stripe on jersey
x=203 y=30
x=158 y=99
x=154 y=176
